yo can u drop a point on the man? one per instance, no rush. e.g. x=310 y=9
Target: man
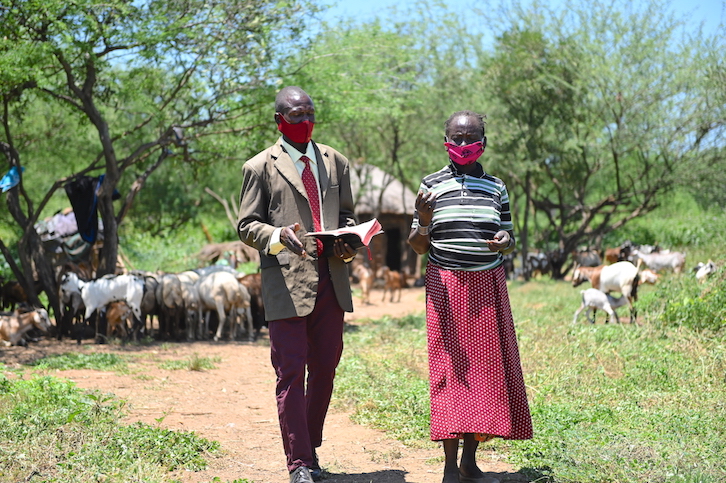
x=291 y=188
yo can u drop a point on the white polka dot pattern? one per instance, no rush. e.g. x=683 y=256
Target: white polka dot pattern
x=476 y=382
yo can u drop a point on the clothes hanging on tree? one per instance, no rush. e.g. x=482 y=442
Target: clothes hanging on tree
x=83 y=195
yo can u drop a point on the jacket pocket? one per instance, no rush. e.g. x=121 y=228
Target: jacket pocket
x=282 y=258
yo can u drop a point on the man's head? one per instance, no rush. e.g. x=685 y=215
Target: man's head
x=295 y=115
x=295 y=105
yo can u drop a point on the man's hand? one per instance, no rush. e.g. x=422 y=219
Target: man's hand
x=291 y=241
x=342 y=249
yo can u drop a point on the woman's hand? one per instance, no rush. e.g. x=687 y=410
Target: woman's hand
x=501 y=242
x=425 y=204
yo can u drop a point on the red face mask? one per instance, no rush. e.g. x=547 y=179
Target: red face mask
x=301 y=132
x=465 y=155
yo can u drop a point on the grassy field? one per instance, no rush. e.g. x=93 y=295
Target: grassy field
x=610 y=403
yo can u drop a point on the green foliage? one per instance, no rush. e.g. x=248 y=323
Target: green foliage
x=100 y=361
x=682 y=301
x=44 y=418
x=603 y=101
x=172 y=253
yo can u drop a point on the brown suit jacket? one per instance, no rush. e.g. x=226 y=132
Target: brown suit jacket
x=273 y=196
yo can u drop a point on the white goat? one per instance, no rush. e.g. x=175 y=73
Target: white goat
x=703 y=270
x=221 y=291
x=593 y=299
x=648 y=276
x=365 y=277
x=98 y=293
x=662 y=260
x=14 y=325
x=620 y=277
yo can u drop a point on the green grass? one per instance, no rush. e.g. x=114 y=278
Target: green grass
x=51 y=431
x=72 y=360
x=610 y=403
x=194 y=363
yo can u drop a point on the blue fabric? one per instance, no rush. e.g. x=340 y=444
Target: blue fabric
x=11 y=179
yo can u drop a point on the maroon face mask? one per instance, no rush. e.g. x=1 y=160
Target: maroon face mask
x=464 y=155
x=301 y=132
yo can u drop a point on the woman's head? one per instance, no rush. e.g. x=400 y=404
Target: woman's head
x=464 y=127
x=464 y=138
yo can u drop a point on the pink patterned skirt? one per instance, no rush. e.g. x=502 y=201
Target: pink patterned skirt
x=476 y=381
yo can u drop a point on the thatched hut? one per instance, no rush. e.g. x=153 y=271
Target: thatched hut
x=379 y=194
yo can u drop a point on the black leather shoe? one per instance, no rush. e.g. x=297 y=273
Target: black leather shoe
x=315 y=471
x=301 y=475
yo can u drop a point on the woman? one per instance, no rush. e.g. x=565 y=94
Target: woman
x=462 y=220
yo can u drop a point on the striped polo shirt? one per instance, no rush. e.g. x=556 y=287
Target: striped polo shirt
x=470 y=208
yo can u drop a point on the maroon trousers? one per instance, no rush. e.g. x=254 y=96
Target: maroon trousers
x=315 y=343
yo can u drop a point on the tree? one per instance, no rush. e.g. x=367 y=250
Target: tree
x=598 y=108
x=383 y=88
x=151 y=79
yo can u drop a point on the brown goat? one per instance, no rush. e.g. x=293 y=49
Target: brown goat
x=118 y=314
x=14 y=325
x=394 y=282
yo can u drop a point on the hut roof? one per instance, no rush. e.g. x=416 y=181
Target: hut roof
x=368 y=181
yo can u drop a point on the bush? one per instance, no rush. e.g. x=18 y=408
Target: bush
x=682 y=301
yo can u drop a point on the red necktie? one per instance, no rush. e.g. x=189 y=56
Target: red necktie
x=311 y=187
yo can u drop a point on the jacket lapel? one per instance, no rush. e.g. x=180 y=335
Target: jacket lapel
x=323 y=170
x=284 y=165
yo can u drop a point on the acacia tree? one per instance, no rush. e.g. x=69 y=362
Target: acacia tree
x=144 y=76
x=598 y=109
x=383 y=88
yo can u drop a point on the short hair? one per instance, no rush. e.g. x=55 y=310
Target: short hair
x=281 y=100
x=467 y=113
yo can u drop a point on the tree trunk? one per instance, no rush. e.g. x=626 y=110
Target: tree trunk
x=525 y=224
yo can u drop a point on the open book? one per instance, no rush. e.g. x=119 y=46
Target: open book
x=357 y=236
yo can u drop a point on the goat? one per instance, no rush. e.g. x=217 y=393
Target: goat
x=593 y=299
x=100 y=292
x=662 y=260
x=13 y=293
x=586 y=258
x=169 y=298
x=648 y=276
x=537 y=263
x=365 y=277
x=620 y=277
x=222 y=292
x=613 y=255
x=394 y=283
x=118 y=314
x=14 y=325
x=253 y=283
x=703 y=270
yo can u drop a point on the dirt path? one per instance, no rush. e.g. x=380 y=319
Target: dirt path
x=235 y=405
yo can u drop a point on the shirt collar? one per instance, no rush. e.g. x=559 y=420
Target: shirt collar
x=296 y=155
x=478 y=172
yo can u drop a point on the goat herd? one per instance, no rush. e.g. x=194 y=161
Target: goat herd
x=623 y=274
x=211 y=302
x=217 y=301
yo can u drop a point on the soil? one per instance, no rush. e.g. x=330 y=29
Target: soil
x=234 y=404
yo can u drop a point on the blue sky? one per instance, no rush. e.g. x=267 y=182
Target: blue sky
x=711 y=12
